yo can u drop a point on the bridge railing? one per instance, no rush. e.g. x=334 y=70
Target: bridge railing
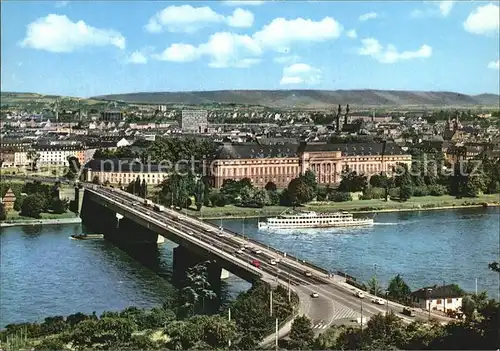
x=282 y=253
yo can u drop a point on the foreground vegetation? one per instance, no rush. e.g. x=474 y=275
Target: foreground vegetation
x=180 y=324
x=34 y=200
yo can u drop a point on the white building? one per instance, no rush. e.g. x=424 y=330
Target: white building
x=444 y=298
x=194 y=121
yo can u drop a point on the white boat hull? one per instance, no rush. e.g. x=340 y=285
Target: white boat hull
x=337 y=224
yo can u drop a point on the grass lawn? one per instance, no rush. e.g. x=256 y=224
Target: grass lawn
x=424 y=202
x=14 y=216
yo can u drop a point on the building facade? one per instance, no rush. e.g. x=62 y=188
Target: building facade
x=194 y=121
x=281 y=163
x=438 y=298
x=122 y=171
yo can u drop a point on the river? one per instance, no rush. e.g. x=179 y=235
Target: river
x=44 y=273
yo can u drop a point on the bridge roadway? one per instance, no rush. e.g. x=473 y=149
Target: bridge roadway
x=336 y=300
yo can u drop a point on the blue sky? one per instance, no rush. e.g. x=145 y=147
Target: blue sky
x=91 y=48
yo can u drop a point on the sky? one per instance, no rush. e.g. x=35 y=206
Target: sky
x=89 y=48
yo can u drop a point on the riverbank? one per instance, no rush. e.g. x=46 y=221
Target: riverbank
x=424 y=203
x=20 y=221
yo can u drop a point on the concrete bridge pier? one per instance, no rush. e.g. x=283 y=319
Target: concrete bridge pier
x=183 y=260
x=130 y=232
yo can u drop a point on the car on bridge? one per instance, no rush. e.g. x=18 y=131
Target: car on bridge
x=314 y=295
x=255 y=263
x=257 y=251
x=378 y=301
x=308 y=274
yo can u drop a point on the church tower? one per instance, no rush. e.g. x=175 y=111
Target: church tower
x=346 y=114
x=339 y=112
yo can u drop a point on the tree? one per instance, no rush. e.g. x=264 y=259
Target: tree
x=405 y=192
x=59 y=205
x=403 y=176
x=398 y=289
x=309 y=179
x=33 y=205
x=494 y=266
x=3 y=213
x=74 y=165
x=301 y=334
x=375 y=287
x=144 y=188
x=352 y=182
x=137 y=186
x=379 y=180
x=33 y=156
x=270 y=186
x=199 y=194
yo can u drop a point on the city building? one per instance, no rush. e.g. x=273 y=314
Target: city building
x=122 y=171
x=194 y=121
x=444 y=298
x=57 y=155
x=112 y=115
x=281 y=163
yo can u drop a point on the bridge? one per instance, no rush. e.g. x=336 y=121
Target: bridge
x=334 y=301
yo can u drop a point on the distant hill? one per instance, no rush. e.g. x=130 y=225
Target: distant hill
x=311 y=98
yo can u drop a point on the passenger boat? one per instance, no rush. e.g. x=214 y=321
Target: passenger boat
x=311 y=219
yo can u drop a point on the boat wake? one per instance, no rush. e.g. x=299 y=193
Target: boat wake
x=378 y=223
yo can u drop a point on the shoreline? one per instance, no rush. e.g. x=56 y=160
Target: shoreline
x=383 y=210
x=23 y=222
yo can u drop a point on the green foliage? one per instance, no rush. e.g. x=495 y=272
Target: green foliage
x=437 y=190
x=33 y=206
x=59 y=205
x=3 y=212
x=352 y=182
x=374 y=287
x=405 y=192
x=270 y=186
x=371 y=192
x=218 y=200
x=301 y=334
x=339 y=196
x=398 y=290
x=421 y=191
x=177 y=190
x=379 y=181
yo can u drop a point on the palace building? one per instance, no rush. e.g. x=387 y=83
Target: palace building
x=281 y=163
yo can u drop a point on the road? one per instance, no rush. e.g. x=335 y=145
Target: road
x=336 y=299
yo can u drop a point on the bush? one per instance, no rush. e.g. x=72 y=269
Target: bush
x=421 y=191
x=218 y=200
x=373 y=193
x=394 y=192
x=437 y=190
x=340 y=196
x=405 y=192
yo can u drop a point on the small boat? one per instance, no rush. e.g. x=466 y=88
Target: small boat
x=311 y=219
x=86 y=236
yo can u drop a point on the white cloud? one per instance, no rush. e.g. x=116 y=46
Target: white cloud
x=368 y=16
x=240 y=18
x=60 y=4
x=184 y=18
x=434 y=8
x=371 y=47
x=483 y=20
x=281 y=33
x=243 y=3
x=140 y=57
x=494 y=65
x=223 y=49
x=179 y=53
x=189 y=19
x=352 y=34
x=56 y=33
x=287 y=59
x=300 y=73
x=445 y=6
x=137 y=57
